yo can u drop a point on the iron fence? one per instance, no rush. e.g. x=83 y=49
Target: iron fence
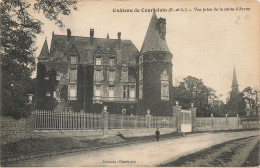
x=53 y=120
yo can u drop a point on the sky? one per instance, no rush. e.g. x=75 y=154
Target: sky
x=206 y=45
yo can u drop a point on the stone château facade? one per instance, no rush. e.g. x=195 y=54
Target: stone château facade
x=90 y=72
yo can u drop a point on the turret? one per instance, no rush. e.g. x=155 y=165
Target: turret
x=155 y=69
x=44 y=54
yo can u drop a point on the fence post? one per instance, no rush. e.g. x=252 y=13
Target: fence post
x=212 y=120
x=135 y=121
x=148 y=121
x=177 y=116
x=193 y=117
x=227 y=120
x=237 y=121
x=105 y=122
x=122 y=120
x=35 y=119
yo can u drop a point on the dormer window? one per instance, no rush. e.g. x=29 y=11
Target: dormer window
x=98 y=61
x=73 y=60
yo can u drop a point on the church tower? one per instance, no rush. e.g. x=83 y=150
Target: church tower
x=234 y=92
x=155 y=70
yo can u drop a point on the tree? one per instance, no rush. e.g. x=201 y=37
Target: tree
x=236 y=106
x=19 y=29
x=193 y=90
x=182 y=95
x=250 y=97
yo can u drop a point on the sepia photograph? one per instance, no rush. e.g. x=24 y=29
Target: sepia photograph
x=128 y=83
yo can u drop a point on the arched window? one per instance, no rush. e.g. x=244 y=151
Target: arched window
x=164 y=85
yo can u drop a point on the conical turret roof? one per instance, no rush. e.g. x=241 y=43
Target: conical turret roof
x=153 y=41
x=234 y=82
x=45 y=51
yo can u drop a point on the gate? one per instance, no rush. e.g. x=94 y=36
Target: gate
x=186 y=121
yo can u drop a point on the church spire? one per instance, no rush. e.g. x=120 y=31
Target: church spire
x=234 y=82
x=155 y=36
x=234 y=92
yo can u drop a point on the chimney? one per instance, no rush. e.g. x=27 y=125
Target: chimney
x=91 y=36
x=68 y=34
x=119 y=40
x=161 y=26
x=119 y=35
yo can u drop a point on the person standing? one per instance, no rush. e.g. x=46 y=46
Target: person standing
x=157 y=134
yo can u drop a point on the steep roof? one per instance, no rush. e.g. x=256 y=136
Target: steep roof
x=153 y=41
x=61 y=46
x=60 y=43
x=45 y=50
x=234 y=82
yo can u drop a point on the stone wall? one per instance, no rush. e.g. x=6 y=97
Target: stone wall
x=12 y=129
x=95 y=134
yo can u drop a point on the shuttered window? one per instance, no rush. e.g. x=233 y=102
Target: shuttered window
x=72 y=92
x=73 y=75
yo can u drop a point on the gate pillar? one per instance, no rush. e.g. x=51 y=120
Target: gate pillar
x=30 y=122
x=177 y=116
x=105 y=123
x=193 y=118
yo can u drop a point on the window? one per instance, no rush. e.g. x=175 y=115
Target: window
x=72 y=92
x=111 y=76
x=140 y=91
x=111 y=62
x=73 y=60
x=124 y=92
x=164 y=76
x=98 y=75
x=73 y=75
x=164 y=91
x=124 y=76
x=97 y=91
x=140 y=73
x=164 y=85
x=98 y=61
x=132 y=92
x=111 y=92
